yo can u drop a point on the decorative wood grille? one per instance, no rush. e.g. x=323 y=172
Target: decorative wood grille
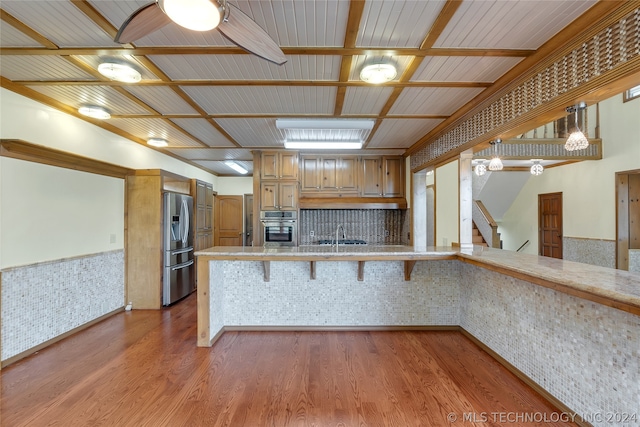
x=612 y=47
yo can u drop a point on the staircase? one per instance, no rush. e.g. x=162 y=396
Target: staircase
x=476 y=237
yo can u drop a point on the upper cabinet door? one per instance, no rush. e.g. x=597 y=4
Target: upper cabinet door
x=288 y=165
x=311 y=174
x=279 y=165
x=393 y=177
x=348 y=174
x=269 y=165
x=371 y=177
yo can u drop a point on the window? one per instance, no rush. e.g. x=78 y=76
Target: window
x=632 y=93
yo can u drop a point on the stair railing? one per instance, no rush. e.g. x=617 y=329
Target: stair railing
x=522 y=246
x=486 y=225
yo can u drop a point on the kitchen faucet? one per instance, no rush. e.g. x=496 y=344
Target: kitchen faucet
x=344 y=235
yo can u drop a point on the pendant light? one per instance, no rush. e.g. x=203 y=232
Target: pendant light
x=536 y=168
x=496 y=163
x=577 y=140
x=480 y=169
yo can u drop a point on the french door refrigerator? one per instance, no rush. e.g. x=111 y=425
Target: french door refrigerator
x=178 y=279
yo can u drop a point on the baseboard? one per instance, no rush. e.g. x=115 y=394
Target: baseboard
x=60 y=337
x=531 y=383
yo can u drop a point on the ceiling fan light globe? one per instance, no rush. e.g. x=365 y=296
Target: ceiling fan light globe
x=197 y=15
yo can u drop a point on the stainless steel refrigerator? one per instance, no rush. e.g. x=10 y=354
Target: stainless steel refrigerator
x=178 y=279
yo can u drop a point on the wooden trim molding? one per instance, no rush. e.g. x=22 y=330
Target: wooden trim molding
x=18 y=149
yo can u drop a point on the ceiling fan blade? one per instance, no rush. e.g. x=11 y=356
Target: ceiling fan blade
x=243 y=31
x=143 y=21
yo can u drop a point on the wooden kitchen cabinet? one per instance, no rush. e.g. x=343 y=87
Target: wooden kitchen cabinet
x=203 y=203
x=382 y=176
x=329 y=175
x=278 y=196
x=279 y=165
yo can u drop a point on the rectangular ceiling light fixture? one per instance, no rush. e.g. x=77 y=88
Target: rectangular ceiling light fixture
x=331 y=134
x=323 y=145
x=236 y=167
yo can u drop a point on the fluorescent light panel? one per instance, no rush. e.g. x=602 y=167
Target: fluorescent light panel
x=323 y=145
x=324 y=124
x=236 y=167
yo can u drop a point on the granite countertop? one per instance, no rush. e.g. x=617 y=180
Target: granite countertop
x=328 y=252
x=615 y=288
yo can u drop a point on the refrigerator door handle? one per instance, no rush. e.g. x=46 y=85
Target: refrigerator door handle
x=181 y=251
x=183 y=265
x=185 y=221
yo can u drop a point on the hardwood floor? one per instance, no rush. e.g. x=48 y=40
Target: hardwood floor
x=142 y=368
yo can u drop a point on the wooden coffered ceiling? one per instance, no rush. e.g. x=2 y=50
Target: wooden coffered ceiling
x=213 y=101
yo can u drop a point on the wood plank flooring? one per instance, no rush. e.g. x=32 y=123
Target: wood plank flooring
x=142 y=368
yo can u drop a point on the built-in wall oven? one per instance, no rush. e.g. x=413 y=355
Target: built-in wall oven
x=280 y=228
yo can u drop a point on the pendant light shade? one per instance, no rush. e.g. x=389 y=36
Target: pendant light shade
x=536 y=168
x=496 y=163
x=480 y=169
x=577 y=140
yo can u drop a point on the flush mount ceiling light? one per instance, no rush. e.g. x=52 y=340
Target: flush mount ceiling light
x=95 y=112
x=324 y=133
x=496 y=163
x=536 y=168
x=577 y=140
x=197 y=15
x=236 y=167
x=480 y=168
x=119 y=72
x=157 y=142
x=378 y=73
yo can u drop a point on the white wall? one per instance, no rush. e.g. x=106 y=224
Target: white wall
x=230 y=186
x=447 y=200
x=588 y=188
x=50 y=213
x=36 y=123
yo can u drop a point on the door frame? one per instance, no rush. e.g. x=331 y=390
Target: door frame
x=623 y=219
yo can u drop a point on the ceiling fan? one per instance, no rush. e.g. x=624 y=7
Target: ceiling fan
x=202 y=15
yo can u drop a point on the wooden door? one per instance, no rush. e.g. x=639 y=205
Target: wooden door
x=550 y=225
x=229 y=218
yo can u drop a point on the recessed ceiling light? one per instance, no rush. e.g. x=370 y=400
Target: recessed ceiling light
x=95 y=112
x=119 y=72
x=197 y=15
x=236 y=167
x=378 y=73
x=157 y=142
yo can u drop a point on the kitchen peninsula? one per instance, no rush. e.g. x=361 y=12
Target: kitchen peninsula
x=562 y=326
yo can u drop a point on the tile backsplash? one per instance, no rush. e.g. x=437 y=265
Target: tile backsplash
x=374 y=226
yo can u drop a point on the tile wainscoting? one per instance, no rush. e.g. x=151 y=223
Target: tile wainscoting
x=589 y=251
x=361 y=224
x=335 y=297
x=43 y=301
x=585 y=354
